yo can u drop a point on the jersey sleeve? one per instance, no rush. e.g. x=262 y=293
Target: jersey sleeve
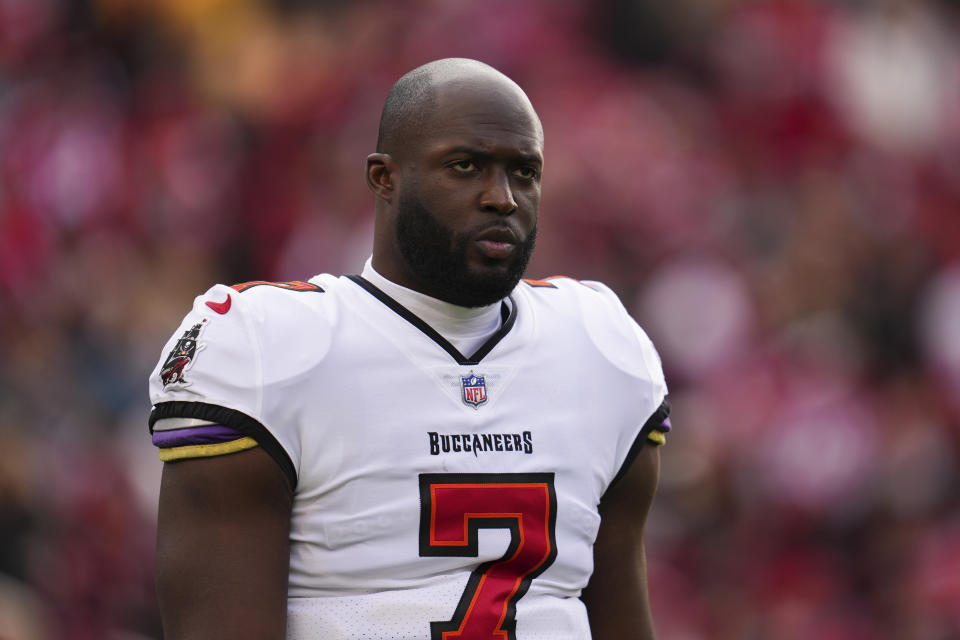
x=628 y=347
x=207 y=388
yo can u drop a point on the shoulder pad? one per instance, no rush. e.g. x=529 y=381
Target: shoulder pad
x=611 y=329
x=234 y=340
x=617 y=335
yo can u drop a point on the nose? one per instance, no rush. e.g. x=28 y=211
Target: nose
x=497 y=196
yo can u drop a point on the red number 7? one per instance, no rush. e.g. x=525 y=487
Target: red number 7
x=453 y=508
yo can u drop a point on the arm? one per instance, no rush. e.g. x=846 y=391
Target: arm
x=616 y=598
x=223 y=547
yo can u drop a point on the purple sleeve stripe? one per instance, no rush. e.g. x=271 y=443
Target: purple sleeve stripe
x=664 y=426
x=207 y=434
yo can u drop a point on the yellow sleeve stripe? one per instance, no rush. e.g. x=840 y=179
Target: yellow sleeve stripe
x=657 y=437
x=207 y=450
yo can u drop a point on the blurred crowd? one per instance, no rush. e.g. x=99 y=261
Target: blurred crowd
x=773 y=187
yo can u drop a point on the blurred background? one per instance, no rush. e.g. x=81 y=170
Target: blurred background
x=773 y=187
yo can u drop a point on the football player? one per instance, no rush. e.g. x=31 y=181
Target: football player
x=431 y=449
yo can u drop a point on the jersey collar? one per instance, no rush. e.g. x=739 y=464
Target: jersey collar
x=508 y=315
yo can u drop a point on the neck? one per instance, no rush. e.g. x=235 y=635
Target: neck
x=465 y=327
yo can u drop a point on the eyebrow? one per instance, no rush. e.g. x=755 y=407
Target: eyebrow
x=481 y=153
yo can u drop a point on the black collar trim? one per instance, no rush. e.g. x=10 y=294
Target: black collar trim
x=508 y=315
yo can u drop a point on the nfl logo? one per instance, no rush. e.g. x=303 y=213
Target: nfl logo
x=474 y=390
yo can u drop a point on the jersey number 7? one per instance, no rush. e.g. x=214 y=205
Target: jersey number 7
x=453 y=508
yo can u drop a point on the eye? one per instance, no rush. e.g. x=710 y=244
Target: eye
x=464 y=166
x=526 y=173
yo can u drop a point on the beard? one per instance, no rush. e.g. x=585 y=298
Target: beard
x=438 y=258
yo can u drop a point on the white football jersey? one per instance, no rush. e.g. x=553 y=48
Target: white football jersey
x=436 y=495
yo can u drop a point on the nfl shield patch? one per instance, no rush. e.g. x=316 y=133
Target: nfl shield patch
x=473 y=390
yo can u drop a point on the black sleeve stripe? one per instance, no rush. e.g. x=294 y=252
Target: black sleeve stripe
x=230 y=418
x=652 y=423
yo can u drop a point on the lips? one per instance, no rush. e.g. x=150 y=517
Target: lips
x=497 y=242
x=498 y=234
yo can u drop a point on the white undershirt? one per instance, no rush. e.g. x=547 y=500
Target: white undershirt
x=465 y=328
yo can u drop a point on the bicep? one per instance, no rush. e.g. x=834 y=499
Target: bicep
x=616 y=597
x=223 y=547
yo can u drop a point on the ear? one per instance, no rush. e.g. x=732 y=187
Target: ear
x=382 y=175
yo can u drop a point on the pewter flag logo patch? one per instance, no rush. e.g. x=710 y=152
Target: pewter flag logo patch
x=473 y=390
x=181 y=356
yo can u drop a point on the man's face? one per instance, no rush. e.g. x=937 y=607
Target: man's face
x=468 y=200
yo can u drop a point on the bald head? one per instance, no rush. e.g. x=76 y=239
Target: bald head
x=413 y=101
